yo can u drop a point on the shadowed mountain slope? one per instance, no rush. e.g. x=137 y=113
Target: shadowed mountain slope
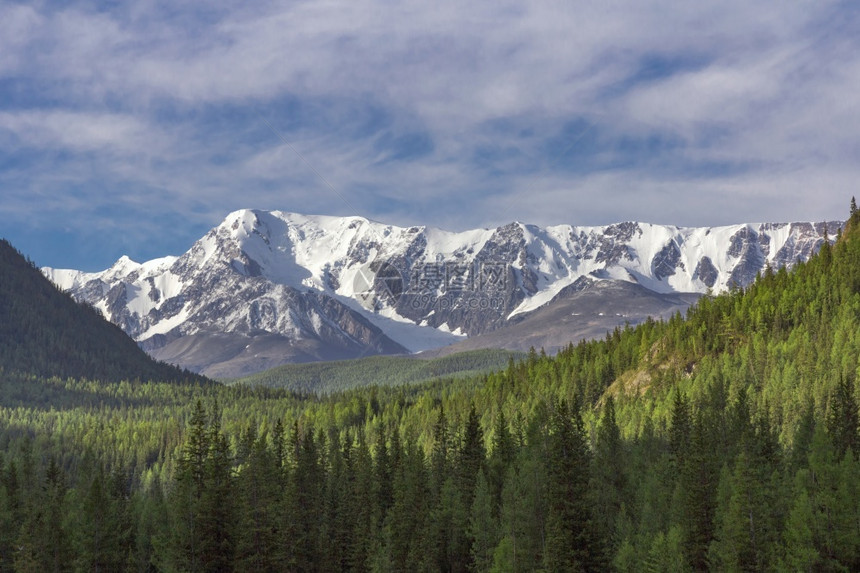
x=44 y=332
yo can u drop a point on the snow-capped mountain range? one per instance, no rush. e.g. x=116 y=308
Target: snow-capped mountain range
x=267 y=287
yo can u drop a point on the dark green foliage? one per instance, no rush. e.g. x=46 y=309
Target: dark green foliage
x=406 y=543
x=842 y=420
x=523 y=511
x=471 y=457
x=259 y=511
x=44 y=332
x=217 y=511
x=608 y=485
x=572 y=543
x=483 y=526
x=104 y=530
x=679 y=432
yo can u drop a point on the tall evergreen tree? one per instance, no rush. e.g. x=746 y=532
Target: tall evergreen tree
x=697 y=487
x=44 y=544
x=800 y=551
x=666 y=554
x=366 y=507
x=105 y=530
x=572 y=543
x=483 y=526
x=258 y=534
x=204 y=497
x=408 y=545
x=471 y=458
x=523 y=514
x=608 y=475
x=383 y=472
x=679 y=432
x=500 y=460
x=304 y=502
x=842 y=419
x=186 y=544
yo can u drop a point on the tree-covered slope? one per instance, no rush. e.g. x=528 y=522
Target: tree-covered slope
x=787 y=341
x=44 y=332
x=326 y=377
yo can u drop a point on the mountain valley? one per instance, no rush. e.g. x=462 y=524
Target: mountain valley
x=268 y=288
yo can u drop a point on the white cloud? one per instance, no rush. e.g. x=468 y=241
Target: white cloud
x=726 y=106
x=81 y=131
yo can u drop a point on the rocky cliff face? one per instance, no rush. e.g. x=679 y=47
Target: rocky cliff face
x=332 y=287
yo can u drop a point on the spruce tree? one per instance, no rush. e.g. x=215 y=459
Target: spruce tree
x=365 y=506
x=608 y=476
x=679 y=432
x=471 y=458
x=572 y=543
x=483 y=526
x=217 y=501
x=666 y=554
x=104 y=530
x=408 y=543
x=258 y=535
x=799 y=541
x=842 y=419
x=383 y=472
x=501 y=458
x=697 y=487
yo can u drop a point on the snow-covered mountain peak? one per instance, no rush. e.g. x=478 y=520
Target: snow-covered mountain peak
x=123 y=263
x=358 y=284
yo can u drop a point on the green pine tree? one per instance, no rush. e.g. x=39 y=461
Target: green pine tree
x=572 y=542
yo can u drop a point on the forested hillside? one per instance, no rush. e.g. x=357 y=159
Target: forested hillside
x=44 y=332
x=725 y=440
x=325 y=377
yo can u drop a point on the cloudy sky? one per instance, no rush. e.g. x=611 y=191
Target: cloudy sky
x=134 y=127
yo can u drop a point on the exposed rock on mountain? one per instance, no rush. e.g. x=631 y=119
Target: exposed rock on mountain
x=265 y=288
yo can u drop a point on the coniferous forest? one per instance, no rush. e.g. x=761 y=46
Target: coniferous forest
x=723 y=440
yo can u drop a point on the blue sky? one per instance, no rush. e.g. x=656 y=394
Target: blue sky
x=134 y=127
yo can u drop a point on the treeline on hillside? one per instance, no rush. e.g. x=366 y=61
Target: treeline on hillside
x=334 y=376
x=46 y=333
